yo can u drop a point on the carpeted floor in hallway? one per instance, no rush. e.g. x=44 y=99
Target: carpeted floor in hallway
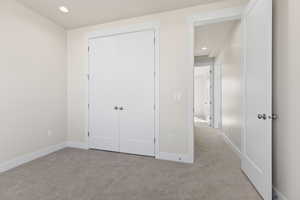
x=74 y=174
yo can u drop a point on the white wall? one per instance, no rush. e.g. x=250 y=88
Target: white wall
x=286 y=98
x=175 y=75
x=32 y=81
x=230 y=60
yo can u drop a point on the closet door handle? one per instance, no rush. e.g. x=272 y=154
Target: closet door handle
x=121 y=108
x=116 y=108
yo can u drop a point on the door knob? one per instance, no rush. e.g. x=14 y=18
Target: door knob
x=121 y=108
x=116 y=108
x=262 y=116
x=259 y=116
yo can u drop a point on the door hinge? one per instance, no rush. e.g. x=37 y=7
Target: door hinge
x=154 y=73
x=154 y=140
x=88 y=76
x=154 y=40
x=88 y=134
x=154 y=107
x=88 y=106
x=89 y=49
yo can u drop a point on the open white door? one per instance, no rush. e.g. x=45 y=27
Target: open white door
x=257 y=132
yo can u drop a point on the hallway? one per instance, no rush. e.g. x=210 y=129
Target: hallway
x=73 y=174
x=216 y=159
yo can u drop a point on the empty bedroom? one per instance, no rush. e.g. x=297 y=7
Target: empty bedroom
x=149 y=100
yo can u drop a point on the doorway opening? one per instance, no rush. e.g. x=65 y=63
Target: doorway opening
x=203 y=94
x=218 y=89
x=217 y=78
x=239 y=41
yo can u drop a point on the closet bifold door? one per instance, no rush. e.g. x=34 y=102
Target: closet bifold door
x=137 y=93
x=104 y=94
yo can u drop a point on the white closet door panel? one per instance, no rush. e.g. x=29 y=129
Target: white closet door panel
x=137 y=93
x=104 y=95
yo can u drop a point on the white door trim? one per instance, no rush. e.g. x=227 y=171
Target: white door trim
x=155 y=26
x=198 y=20
x=212 y=95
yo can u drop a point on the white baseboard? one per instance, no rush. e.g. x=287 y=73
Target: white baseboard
x=278 y=195
x=77 y=145
x=5 y=166
x=232 y=145
x=184 y=158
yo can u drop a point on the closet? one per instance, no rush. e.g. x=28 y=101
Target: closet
x=122 y=93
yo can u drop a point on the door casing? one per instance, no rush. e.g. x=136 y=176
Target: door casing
x=211 y=92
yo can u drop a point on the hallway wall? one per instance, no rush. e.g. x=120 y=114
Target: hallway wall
x=230 y=61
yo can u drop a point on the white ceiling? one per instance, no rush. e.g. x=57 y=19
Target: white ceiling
x=90 y=12
x=213 y=37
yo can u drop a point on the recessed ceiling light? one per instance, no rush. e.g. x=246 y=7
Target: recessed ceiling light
x=204 y=48
x=64 y=9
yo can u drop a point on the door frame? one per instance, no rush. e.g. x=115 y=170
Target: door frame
x=210 y=65
x=201 y=20
x=155 y=27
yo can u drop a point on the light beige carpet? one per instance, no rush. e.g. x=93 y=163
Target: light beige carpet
x=73 y=174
